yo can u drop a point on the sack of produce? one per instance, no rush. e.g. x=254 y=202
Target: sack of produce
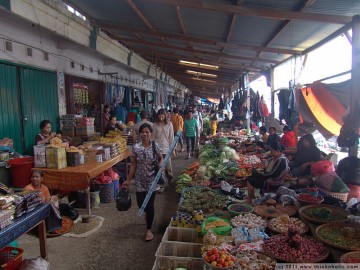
x=123 y=200
x=218 y=225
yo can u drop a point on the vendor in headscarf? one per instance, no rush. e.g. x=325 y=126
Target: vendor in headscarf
x=307 y=153
x=46 y=135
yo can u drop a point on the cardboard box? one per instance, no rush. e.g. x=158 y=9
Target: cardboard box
x=39 y=156
x=84 y=131
x=56 y=157
x=68 y=131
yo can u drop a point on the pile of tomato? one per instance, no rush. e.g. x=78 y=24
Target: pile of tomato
x=352 y=260
x=308 y=197
x=219 y=258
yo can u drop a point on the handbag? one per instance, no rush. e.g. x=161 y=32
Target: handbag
x=156 y=164
x=123 y=200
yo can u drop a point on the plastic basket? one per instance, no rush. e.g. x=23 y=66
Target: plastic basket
x=180 y=235
x=10 y=258
x=340 y=196
x=178 y=262
x=106 y=192
x=179 y=249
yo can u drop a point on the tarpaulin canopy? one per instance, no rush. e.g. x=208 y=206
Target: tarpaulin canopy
x=324 y=105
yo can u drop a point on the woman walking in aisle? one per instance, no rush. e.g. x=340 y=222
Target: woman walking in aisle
x=163 y=135
x=142 y=168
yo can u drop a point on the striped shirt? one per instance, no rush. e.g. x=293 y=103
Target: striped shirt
x=190 y=126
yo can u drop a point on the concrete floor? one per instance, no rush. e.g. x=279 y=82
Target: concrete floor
x=119 y=243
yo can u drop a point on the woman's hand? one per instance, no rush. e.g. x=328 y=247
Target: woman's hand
x=126 y=184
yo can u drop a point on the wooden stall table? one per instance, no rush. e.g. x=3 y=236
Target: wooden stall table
x=79 y=177
x=25 y=223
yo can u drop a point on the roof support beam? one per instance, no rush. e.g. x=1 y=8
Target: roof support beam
x=142 y=17
x=197 y=60
x=285 y=24
x=231 y=27
x=171 y=47
x=181 y=23
x=257 y=12
x=213 y=42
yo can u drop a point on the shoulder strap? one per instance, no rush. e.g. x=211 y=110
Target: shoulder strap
x=153 y=148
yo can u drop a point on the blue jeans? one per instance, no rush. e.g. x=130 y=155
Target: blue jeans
x=190 y=140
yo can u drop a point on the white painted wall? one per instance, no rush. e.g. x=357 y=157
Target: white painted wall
x=45 y=24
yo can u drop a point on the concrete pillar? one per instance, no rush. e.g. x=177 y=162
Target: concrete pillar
x=247 y=88
x=355 y=75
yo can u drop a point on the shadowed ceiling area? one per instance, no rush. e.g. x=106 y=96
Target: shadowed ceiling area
x=229 y=37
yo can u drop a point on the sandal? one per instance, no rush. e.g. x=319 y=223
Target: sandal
x=149 y=236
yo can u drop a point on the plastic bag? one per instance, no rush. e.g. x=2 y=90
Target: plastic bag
x=123 y=200
x=224 y=230
x=35 y=264
x=322 y=167
x=68 y=211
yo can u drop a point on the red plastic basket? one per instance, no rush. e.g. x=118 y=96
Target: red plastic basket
x=10 y=258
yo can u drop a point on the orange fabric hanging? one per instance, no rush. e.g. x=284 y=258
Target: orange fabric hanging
x=324 y=106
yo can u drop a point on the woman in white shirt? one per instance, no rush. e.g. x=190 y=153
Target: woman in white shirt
x=163 y=134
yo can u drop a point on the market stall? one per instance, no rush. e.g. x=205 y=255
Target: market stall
x=23 y=224
x=216 y=228
x=78 y=178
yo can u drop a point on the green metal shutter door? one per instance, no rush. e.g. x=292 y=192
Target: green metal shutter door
x=39 y=100
x=10 y=125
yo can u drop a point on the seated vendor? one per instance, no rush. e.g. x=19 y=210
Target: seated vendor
x=273 y=175
x=36 y=179
x=46 y=135
x=113 y=125
x=272 y=138
x=264 y=136
x=288 y=139
x=306 y=153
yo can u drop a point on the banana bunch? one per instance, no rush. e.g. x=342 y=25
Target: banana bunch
x=183 y=182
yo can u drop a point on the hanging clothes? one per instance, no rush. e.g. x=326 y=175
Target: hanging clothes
x=283 y=97
x=293 y=111
x=121 y=113
x=264 y=108
x=256 y=116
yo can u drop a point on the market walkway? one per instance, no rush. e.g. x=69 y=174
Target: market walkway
x=119 y=243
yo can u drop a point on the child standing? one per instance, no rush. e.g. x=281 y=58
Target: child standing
x=190 y=131
x=213 y=124
x=36 y=179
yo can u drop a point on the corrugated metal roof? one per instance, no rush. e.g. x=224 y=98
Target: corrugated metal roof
x=338 y=7
x=301 y=35
x=253 y=31
x=205 y=23
x=166 y=22
x=260 y=32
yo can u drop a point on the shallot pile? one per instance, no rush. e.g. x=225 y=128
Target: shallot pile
x=307 y=249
